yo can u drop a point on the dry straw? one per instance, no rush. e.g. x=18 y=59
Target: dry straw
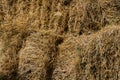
x=91 y=57
x=67 y=61
x=99 y=57
x=65 y=16
x=10 y=45
x=37 y=56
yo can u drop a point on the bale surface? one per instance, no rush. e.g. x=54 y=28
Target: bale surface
x=37 y=56
x=60 y=16
x=91 y=57
x=66 y=66
x=100 y=55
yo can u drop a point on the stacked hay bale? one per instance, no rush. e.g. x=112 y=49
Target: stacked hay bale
x=99 y=55
x=91 y=57
x=61 y=16
x=37 y=56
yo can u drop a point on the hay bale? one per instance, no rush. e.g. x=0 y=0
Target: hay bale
x=66 y=65
x=21 y=14
x=99 y=55
x=10 y=45
x=61 y=16
x=37 y=56
x=91 y=57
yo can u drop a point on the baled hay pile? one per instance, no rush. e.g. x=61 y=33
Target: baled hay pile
x=92 y=57
x=37 y=56
x=60 y=16
x=34 y=14
x=100 y=55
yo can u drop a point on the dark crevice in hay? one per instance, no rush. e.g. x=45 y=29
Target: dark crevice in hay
x=59 y=41
x=26 y=34
x=12 y=2
x=66 y=28
x=8 y=77
x=49 y=72
x=51 y=67
x=66 y=2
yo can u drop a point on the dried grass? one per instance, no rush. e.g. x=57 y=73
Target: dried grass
x=67 y=62
x=99 y=56
x=91 y=57
x=37 y=56
x=91 y=53
x=71 y=16
x=10 y=45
